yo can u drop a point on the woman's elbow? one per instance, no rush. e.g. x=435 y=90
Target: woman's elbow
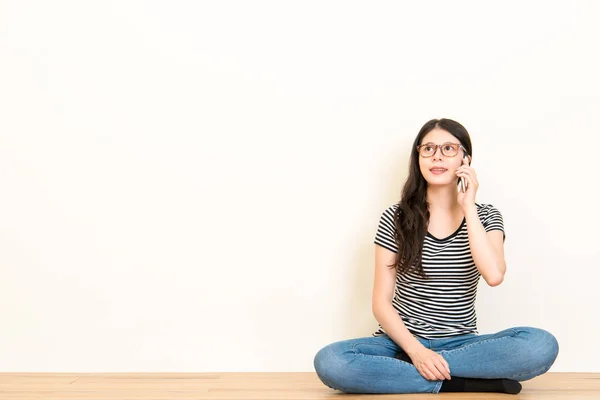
x=495 y=281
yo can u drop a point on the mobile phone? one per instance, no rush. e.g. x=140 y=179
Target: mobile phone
x=462 y=182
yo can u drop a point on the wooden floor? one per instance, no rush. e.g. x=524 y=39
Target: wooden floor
x=254 y=385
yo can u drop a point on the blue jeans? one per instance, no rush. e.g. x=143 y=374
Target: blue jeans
x=368 y=364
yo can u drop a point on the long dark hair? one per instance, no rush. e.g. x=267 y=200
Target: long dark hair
x=412 y=214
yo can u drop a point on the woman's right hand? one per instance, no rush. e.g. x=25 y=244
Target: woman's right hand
x=430 y=364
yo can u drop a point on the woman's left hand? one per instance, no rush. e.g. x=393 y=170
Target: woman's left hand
x=467 y=198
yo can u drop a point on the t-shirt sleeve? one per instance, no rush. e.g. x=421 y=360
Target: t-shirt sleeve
x=493 y=221
x=385 y=230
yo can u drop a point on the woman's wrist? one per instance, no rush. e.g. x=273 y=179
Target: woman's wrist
x=469 y=207
x=413 y=348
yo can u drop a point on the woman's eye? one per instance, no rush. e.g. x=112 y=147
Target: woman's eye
x=448 y=147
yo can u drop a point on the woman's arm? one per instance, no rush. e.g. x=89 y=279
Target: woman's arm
x=487 y=248
x=382 y=307
x=431 y=365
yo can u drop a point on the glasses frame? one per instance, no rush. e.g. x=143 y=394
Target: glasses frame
x=435 y=148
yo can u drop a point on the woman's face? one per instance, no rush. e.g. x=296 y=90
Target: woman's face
x=439 y=160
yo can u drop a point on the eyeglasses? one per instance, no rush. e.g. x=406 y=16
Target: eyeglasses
x=448 y=149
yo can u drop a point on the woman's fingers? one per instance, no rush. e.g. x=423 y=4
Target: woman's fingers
x=432 y=365
x=469 y=173
x=468 y=177
x=437 y=374
x=429 y=373
x=442 y=372
x=425 y=372
x=436 y=371
x=441 y=364
x=447 y=366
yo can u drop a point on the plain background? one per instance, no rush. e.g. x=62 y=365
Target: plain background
x=196 y=186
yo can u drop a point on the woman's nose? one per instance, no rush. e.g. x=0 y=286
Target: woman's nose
x=436 y=152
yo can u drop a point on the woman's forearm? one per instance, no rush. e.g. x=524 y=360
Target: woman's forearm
x=394 y=327
x=488 y=261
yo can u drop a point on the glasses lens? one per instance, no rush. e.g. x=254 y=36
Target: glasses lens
x=427 y=150
x=450 y=150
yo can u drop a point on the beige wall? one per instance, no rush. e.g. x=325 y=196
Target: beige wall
x=196 y=186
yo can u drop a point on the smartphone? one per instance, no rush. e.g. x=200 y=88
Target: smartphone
x=462 y=182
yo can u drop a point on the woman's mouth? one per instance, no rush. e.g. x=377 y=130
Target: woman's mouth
x=438 y=171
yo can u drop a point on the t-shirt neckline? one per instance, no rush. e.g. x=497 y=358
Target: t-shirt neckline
x=452 y=234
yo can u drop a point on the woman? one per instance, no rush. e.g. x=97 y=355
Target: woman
x=431 y=248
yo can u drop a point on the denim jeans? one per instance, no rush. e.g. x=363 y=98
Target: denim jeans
x=368 y=364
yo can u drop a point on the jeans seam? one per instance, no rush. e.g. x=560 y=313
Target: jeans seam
x=386 y=357
x=357 y=343
x=437 y=387
x=353 y=348
x=478 y=342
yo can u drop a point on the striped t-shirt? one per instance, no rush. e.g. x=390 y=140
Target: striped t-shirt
x=443 y=305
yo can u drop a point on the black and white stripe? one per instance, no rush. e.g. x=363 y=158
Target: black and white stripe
x=444 y=305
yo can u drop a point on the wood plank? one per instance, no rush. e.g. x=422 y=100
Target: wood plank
x=253 y=385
